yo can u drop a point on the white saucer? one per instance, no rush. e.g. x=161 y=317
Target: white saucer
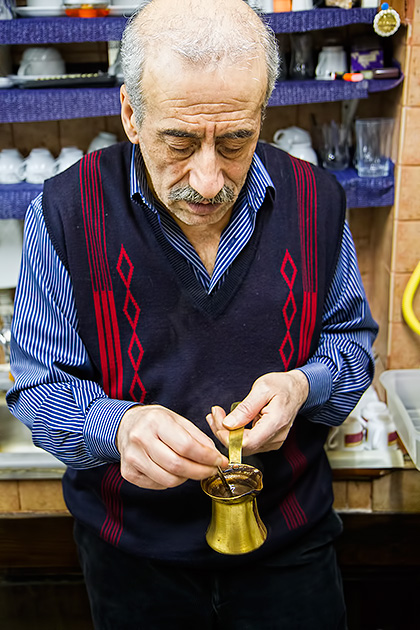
x=366 y=459
x=122 y=10
x=5 y=82
x=17 y=79
x=40 y=11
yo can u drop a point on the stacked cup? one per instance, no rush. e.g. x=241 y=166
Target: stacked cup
x=37 y=167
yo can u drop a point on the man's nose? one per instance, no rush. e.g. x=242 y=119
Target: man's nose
x=206 y=176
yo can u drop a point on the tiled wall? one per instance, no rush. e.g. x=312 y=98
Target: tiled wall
x=403 y=345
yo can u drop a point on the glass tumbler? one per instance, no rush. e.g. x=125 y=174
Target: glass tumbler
x=334 y=146
x=373 y=146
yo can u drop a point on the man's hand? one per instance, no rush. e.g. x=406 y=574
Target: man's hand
x=160 y=449
x=271 y=406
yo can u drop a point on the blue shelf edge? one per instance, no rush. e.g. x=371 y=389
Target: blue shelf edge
x=360 y=193
x=65 y=29
x=318 y=19
x=34 y=105
x=366 y=192
x=15 y=199
x=292 y=92
x=61 y=30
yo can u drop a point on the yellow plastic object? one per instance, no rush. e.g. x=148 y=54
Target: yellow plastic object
x=407 y=301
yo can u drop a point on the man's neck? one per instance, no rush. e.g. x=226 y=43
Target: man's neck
x=205 y=239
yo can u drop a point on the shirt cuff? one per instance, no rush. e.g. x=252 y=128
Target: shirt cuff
x=320 y=386
x=100 y=430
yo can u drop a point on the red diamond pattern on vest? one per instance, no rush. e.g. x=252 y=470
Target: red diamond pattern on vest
x=288 y=271
x=132 y=312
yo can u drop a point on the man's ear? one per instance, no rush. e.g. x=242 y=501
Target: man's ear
x=127 y=117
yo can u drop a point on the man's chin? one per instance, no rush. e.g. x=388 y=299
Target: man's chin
x=204 y=209
x=201 y=214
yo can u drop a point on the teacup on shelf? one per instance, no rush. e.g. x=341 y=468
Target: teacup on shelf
x=10 y=166
x=39 y=166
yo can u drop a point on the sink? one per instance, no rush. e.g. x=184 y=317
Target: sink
x=19 y=458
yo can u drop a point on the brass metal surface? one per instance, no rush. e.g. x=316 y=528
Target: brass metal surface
x=235 y=445
x=235 y=527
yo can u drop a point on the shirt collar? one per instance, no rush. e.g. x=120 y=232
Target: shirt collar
x=257 y=183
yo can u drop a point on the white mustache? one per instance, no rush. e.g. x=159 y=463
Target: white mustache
x=187 y=193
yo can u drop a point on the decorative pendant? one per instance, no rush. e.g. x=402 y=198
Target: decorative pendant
x=387 y=21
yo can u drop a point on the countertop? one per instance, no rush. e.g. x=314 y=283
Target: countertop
x=376 y=491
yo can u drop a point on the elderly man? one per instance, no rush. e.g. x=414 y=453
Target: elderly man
x=164 y=279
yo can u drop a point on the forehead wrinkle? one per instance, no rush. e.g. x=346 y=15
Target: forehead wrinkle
x=185 y=103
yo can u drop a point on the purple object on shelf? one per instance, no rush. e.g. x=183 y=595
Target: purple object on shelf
x=366 y=59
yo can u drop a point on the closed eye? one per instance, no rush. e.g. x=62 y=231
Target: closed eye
x=230 y=150
x=182 y=150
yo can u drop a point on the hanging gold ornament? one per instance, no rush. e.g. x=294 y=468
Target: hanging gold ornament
x=387 y=21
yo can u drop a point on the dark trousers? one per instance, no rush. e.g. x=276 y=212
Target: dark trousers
x=127 y=593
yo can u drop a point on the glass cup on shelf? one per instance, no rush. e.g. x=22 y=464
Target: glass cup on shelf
x=89 y=9
x=302 y=65
x=334 y=146
x=373 y=146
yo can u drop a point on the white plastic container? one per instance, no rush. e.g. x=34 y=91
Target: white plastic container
x=403 y=398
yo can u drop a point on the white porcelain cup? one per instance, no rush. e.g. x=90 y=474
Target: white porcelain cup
x=302 y=5
x=10 y=253
x=44 y=3
x=41 y=61
x=102 y=140
x=304 y=151
x=10 y=166
x=126 y=3
x=297 y=142
x=266 y=6
x=39 y=166
x=68 y=156
x=380 y=428
x=331 y=59
x=349 y=436
x=285 y=138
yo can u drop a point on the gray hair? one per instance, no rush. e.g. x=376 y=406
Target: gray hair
x=204 y=43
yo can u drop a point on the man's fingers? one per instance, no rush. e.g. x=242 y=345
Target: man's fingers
x=151 y=476
x=188 y=444
x=264 y=436
x=215 y=421
x=160 y=449
x=247 y=409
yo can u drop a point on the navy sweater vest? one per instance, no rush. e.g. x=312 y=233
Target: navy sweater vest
x=154 y=335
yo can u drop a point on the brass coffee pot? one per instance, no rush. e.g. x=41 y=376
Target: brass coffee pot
x=235 y=527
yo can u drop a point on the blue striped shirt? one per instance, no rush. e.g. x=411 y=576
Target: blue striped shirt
x=74 y=419
x=236 y=234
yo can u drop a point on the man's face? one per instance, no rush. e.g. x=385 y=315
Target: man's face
x=199 y=132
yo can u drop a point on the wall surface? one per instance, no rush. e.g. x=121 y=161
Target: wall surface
x=403 y=346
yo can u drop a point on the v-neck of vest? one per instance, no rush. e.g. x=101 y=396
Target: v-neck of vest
x=212 y=304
